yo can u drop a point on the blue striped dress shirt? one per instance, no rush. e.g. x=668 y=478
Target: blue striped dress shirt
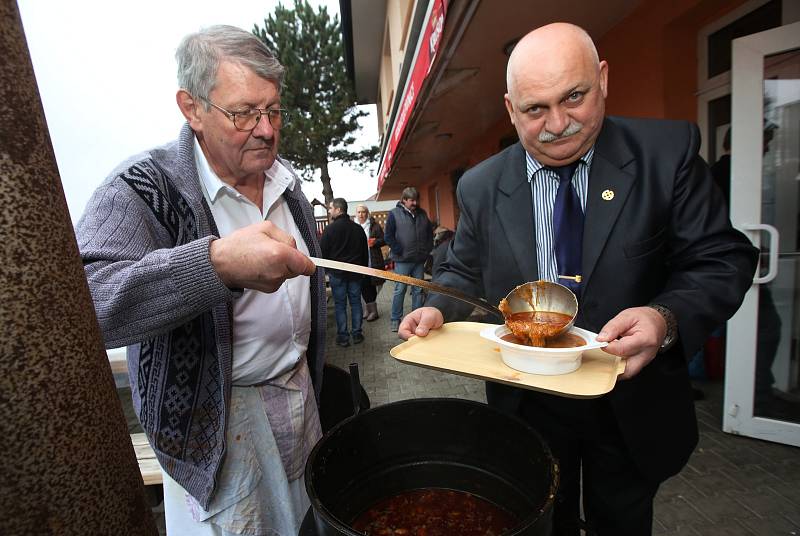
x=544 y=186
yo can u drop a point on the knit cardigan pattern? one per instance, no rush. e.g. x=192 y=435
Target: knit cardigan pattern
x=144 y=242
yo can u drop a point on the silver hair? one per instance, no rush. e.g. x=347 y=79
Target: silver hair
x=573 y=128
x=200 y=54
x=410 y=193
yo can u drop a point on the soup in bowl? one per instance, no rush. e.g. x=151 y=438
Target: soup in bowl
x=561 y=355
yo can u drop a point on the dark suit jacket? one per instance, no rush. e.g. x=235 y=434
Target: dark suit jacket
x=663 y=238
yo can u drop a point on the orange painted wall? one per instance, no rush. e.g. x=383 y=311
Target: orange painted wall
x=446 y=200
x=448 y=206
x=652 y=57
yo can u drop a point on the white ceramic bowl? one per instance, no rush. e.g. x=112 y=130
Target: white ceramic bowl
x=545 y=361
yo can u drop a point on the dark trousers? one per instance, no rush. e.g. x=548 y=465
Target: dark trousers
x=769 y=338
x=368 y=290
x=583 y=435
x=346 y=290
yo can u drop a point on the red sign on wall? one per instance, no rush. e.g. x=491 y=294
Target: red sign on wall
x=429 y=45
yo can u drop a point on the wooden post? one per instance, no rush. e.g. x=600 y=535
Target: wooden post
x=66 y=461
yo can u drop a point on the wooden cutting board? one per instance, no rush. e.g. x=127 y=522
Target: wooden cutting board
x=458 y=348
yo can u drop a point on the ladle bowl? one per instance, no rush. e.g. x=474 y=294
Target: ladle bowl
x=544 y=296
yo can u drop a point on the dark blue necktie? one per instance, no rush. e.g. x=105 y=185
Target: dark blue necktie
x=568 y=229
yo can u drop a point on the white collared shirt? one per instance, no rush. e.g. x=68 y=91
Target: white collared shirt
x=270 y=331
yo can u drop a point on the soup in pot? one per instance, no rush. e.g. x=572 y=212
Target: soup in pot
x=434 y=512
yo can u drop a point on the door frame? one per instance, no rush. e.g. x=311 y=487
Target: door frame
x=747 y=100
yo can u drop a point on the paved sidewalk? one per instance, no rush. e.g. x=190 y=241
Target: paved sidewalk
x=732 y=485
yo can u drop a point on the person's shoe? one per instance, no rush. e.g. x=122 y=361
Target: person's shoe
x=372 y=312
x=395 y=325
x=358 y=338
x=344 y=343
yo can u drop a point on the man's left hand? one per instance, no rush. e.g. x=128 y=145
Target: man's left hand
x=636 y=335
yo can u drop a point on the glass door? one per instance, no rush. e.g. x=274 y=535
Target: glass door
x=762 y=393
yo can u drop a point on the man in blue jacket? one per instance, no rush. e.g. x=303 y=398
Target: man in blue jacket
x=409 y=234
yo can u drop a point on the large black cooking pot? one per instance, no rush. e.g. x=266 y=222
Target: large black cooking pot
x=423 y=443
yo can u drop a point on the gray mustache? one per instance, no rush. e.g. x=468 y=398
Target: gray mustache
x=573 y=128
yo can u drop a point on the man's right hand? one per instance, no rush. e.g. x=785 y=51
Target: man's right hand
x=419 y=322
x=260 y=256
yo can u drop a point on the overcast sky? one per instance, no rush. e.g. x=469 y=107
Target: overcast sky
x=106 y=75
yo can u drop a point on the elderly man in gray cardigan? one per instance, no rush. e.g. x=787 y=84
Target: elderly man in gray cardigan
x=196 y=255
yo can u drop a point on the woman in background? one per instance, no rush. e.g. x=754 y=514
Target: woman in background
x=371 y=286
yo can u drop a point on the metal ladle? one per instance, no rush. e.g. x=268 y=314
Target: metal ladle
x=535 y=296
x=544 y=296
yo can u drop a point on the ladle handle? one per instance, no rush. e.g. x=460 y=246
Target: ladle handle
x=413 y=281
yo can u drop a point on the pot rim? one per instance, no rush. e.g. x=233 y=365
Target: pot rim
x=320 y=509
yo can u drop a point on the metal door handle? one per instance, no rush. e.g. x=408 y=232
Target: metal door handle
x=774 y=239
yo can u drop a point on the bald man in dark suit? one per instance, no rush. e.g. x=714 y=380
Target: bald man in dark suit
x=660 y=267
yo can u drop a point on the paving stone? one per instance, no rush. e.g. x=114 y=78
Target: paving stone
x=677 y=513
x=678 y=491
x=658 y=530
x=719 y=509
x=764 y=501
x=706 y=461
x=672 y=488
x=740 y=455
x=777 y=452
x=787 y=471
x=772 y=526
x=708 y=441
x=754 y=477
x=790 y=492
x=729 y=528
x=711 y=484
x=793 y=518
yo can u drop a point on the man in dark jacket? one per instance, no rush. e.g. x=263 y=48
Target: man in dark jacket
x=409 y=234
x=344 y=240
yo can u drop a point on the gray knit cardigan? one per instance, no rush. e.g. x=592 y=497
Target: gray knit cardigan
x=144 y=241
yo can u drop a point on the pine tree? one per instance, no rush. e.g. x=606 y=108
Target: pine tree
x=316 y=92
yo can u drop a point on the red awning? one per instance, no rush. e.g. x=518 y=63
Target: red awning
x=426 y=54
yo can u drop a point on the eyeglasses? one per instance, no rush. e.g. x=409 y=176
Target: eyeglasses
x=247 y=120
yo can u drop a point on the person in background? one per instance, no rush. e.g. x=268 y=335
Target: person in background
x=196 y=255
x=409 y=234
x=343 y=240
x=375 y=241
x=721 y=169
x=441 y=239
x=625 y=212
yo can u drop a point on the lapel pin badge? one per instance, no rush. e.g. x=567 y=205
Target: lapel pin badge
x=607 y=195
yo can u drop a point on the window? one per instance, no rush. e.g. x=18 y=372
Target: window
x=719 y=43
